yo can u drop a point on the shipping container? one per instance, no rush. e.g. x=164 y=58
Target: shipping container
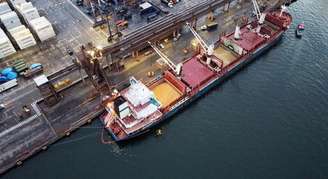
x=42 y=28
x=10 y=20
x=16 y=3
x=28 y=12
x=22 y=36
x=6 y=47
x=4 y=8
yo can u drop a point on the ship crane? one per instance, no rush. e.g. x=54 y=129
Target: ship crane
x=260 y=16
x=208 y=49
x=175 y=68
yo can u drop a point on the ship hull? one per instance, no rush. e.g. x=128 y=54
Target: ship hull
x=240 y=64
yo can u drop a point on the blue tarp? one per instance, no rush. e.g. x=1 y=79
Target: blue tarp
x=35 y=65
x=11 y=75
x=6 y=71
x=3 y=79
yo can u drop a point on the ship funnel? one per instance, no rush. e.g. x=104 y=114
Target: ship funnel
x=237 y=33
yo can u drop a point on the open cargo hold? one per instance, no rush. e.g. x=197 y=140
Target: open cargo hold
x=227 y=56
x=42 y=28
x=22 y=36
x=6 y=48
x=168 y=90
x=10 y=20
x=4 y=8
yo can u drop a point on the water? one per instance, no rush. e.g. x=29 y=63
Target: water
x=268 y=121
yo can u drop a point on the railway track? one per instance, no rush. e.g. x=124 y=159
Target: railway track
x=159 y=28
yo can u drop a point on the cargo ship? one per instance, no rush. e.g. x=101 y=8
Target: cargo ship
x=139 y=107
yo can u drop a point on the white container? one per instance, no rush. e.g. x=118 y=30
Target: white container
x=4 y=8
x=22 y=36
x=10 y=20
x=42 y=28
x=6 y=48
x=16 y=3
x=30 y=14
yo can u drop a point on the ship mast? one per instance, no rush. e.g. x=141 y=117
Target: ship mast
x=175 y=68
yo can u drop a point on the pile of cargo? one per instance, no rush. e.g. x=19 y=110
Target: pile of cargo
x=6 y=47
x=21 y=27
x=40 y=26
x=22 y=36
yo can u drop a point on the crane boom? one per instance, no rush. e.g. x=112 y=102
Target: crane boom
x=256 y=9
x=175 y=68
x=199 y=38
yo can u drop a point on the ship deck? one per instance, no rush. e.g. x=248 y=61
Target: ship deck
x=227 y=56
x=194 y=73
x=166 y=93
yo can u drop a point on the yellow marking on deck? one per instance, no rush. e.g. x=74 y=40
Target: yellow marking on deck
x=166 y=93
x=225 y=55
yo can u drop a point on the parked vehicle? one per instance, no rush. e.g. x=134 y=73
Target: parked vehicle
x=152 y=17
x=209 y=26
x=147 y=9
x=122 y=24
x=34 y=69
x=170 y=3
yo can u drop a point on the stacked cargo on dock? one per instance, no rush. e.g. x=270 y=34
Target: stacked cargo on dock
x=6 y=48
x=10 y=20
x=42 y=28
x=39 y=26
x=22 y=36
x=4 y=8
x=16 y=3
x=27 y=11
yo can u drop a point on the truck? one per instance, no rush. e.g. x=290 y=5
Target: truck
x=210 y=26
x=34 y=69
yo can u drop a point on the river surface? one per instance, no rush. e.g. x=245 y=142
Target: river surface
x=270 y=120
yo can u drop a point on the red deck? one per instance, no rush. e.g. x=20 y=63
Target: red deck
x=249 y=40
x=194 y=73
